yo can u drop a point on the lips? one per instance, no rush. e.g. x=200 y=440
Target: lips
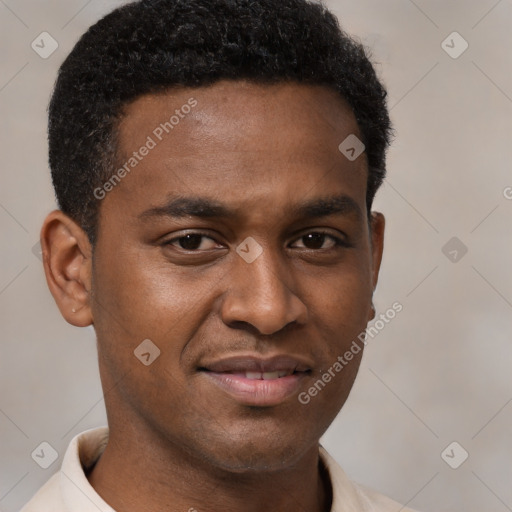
x=251 y=363
x=252 y=380
x=267 y=375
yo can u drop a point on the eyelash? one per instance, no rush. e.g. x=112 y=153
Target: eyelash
x=338 y=241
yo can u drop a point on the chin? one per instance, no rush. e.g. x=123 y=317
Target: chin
x=248 y=457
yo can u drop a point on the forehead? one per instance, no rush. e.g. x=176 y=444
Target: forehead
x=238 y=113
x=239 y=143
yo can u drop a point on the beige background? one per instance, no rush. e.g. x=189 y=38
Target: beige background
x=439 y=372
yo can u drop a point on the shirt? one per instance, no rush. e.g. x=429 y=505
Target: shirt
x=68 y=490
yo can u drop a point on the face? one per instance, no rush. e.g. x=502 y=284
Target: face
x=239 y=244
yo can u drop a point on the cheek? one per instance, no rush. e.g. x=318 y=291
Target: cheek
x=135 y=302
x=342 y=319
x=345 y=294
x=342 y=310
x=143 y=294
x=138 y=299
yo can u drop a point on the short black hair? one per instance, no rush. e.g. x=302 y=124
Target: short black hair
x=151 y=46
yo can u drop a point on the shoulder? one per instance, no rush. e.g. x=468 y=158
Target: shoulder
x=47 y=498
x=378 y=502
x=69 y=489
x=348 y=496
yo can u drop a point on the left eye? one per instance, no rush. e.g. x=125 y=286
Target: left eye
x=317 y=239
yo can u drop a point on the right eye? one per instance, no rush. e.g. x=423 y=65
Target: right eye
x=190 y=242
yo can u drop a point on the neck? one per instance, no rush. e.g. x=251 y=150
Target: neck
x=137 y=473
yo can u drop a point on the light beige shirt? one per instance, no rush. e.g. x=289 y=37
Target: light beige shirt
x=68 y=490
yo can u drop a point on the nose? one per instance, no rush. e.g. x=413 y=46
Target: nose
x=262 y=295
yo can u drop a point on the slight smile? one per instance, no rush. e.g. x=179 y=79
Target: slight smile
x=254 y=381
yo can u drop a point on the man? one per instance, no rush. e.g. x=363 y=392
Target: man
x=215 y=164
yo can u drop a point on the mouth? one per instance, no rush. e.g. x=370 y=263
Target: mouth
x=254 y=381
x=262 y=375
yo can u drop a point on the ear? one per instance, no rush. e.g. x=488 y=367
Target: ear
x=67 y=260
x=377 y=225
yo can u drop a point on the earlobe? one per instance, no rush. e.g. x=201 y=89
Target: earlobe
x=372 y=312
x=378 y=224
x=67 y=260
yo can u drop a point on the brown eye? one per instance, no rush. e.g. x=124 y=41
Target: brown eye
x=190 y=242
x=316 y=240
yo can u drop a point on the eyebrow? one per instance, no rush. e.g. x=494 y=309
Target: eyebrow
x=201 y=207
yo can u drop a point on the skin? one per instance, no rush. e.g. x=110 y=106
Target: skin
x=176 y=440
